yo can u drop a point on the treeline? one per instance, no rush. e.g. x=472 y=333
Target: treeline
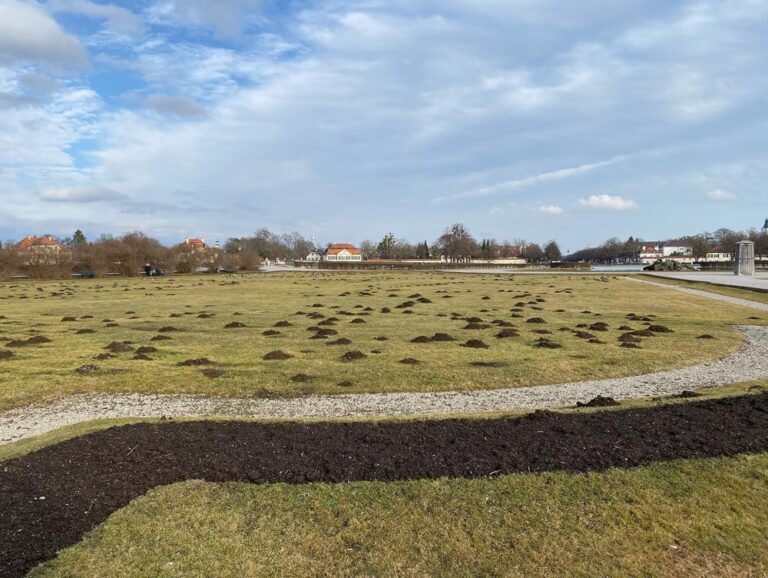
x=457 y=244
x=723 y=240
x=127 y=254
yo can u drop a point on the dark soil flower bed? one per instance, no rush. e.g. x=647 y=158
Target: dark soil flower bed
x=51 y=497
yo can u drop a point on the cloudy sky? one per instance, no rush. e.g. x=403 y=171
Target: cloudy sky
x=345 y=119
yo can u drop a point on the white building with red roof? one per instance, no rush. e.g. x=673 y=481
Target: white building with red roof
x=343 y=252
x=47 y=243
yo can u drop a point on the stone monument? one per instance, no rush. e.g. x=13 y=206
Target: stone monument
x=744 y=263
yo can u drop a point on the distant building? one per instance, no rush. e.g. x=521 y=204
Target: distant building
x=676 y=249
x=46 y=243
x=719 y=255
x=314 y=256
x=196 y=243
x=343 y=252
x=765 y=227
x=651 y=251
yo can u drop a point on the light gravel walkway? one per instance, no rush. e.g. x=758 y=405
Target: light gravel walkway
x=707 y=294
x=750 y=362
x=759 y=281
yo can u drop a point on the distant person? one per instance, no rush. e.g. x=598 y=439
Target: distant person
x=148 y=269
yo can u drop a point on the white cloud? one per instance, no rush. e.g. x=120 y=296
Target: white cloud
x=551 y=210
x=81 y=195
x=545 y=177
x=29 y=34
x=610 y=202
x=174 y=105
x=225 y=17
x=720 y=195
x=120 y=19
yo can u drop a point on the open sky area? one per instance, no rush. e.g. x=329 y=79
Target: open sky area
x=346 y=119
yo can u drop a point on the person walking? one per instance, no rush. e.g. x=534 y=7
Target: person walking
x=148 y=269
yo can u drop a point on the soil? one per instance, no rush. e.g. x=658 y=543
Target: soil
x=599 y=401
x=197 y=362
x=410 y=361
x=276 y=355
x=353 y=356
x=233 y=325
x=51 y=497
x=475 y=344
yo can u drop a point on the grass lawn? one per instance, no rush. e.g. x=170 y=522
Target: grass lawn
x=198 y=308
x=712 y=288
x=684 y=518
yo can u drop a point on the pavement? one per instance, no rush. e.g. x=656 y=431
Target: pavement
x=759 y=281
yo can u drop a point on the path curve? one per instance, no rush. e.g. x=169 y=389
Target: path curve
x=748 y=363
x=706 y=294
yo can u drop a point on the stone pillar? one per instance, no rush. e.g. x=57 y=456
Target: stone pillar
x=744 y=262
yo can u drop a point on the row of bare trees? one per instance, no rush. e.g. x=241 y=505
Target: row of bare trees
x=722 y=240
x=125 y=255
x=457 y=245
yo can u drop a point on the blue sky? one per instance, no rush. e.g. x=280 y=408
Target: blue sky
x=344 y=120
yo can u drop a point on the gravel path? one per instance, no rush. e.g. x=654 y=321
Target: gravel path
x=748 y=363
x=707 y=294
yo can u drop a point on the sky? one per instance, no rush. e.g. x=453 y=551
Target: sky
x=347 y=119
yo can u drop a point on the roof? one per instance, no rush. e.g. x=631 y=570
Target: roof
x=196 y=243
x=339 y=247
x=32 y=241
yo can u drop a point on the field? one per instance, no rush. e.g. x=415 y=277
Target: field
x=344 y=333
x=653 y=487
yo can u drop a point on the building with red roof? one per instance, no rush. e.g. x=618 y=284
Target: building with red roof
x=43 y=243
x=343 y=252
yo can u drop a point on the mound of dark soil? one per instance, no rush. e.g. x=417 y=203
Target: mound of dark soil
x=475 y=344
x=6 y=355
x=386 y=310
x=302 y=378
x=505 y=333
x=542 y=332
x=84 y=331
x=706 y=336
x=353 y=356
x=205 y=315
x=161 y=338
x=345 y=383
x=103 y=356
x=535 y=320
x=599 y=401
x=584 y=335
x=283 y=324
x=630 y=345
x=687 y=393
x=488 y=364
x=405 y=305
x=596 y=341
x=276 y=355
x=340 y=341
x=599 y=326
x=421 y=339
x=87 y=369
x=271 y=332
x=119 y=347
x=547 y=344
x=659 y=329
x=358 y=320
x=441 y=337
x=476 y=325
x=141 y=357
x=196 y=362
x=167 y=329
x=381 y=338
x=146 y=349
x=68 y=318
x=234 y=325
x=410 y=361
